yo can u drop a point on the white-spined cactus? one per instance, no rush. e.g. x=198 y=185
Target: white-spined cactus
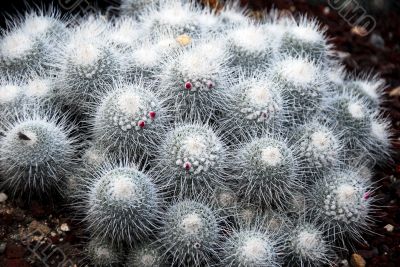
x=251 y=245
x=196 y=81
x=266 y=171
x=305 y=38
x=145 y=255
x=256 y=107
x=303 y=85
x=151 y=176
x=129 y=119
x=37 y=152
x=320 y=148
x=87 y=64
x=192 y=159
x=103 y=254
x=250 y=46
x=190 y=234
x=30 y=43
x=122 y=198
x=342 y=203
x=306 y=245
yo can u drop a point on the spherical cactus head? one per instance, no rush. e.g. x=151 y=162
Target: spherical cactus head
x=20 y=51
x=303 y=85
x=380 y=149
x=256 y=107
x=305 y=38
x=251 y=245
x=353 y=119
x=45 y=25
x=173 y=15
x=129 y=118
x=102 y=253
x=250 y=47
x=190 y=233
x=124 y=199
x=320 y=148
x=87 y=65
x=123 y=33
x=225 y=200
x=343 y=204
x=231 y=14
x=37 y=152
x=196 y=81
x=368 y=87
x=11 y=94
x=192 y=157
x=267 y=171
x=146 y=255
x=306 y=245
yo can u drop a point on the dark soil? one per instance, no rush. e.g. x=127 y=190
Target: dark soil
x=45 y=235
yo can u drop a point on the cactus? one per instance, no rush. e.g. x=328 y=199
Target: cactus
x=364 y=132
x=256 y=107
x=320 y=149
x=174 y=15
x=232 y=13
x=251 y=245
x=266 y=171
x=31 y=43
x=196 y=81
x=135 y=7
x=11 y=95
x=101 y=253
x=37 y=151
x=367 y=87
x=306 y=39
x=129 y=119
x=145 y=255
x=140 y=118
x=250 y=47
x=193 y=159
x=190 y=233
x=122 y=198
x=88 y=64
x=342 y=202
x=303 y=85
x=307 y=246
x=123 y=33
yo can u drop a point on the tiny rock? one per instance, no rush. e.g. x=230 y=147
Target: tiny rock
x=36 y=228
x=344 y=263
x=357 y=260
x=3 y=197
x=2 y=247
x=389 y=228
x=64 y=227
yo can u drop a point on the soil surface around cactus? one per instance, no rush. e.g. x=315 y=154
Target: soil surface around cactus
x=39 y=234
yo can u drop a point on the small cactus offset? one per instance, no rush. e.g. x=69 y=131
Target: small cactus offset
x=120 y=197
x=187 y=136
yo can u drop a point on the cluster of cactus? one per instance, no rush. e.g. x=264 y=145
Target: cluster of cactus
x=184 y=136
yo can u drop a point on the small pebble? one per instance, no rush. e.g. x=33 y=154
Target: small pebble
x=3 y=197
x=64 y=227
x=344 y=263
x=357 y=260
x=37 y=228
x=2 y=247
x=389 y=228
